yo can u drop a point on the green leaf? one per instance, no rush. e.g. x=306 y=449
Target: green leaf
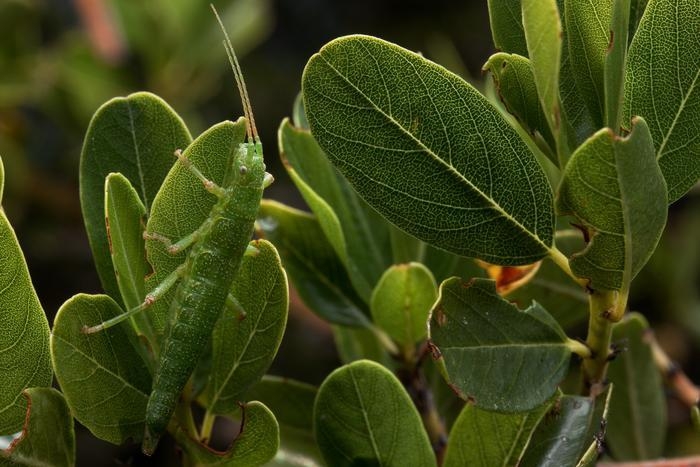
x=615 y=58
x=255 y=445
x=245 y=345
x=2 y=178
x=359 y=236
x=398 y=126
x=588 y=36
x=125 y=216
x=663 y=85
x=565 y=433
x=313 y=266
x=401 y=302
x=47 y=437
x=292 y=402
x=695 y=417
x=182 y=204
x=103 y=376
x=24 y=339
x=505 y=17
x=135 y=135
x=615 y=188
x=637 y=423
x=543 y=32
x=482 y=438
x=515 y=82
x=493 y=354
x=363 y=416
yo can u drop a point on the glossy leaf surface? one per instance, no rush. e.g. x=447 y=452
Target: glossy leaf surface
x=103 y=376
x=493 y=354
x=663 y=85
x=244 y=345
x=363 y=416
x=616 y=190
x=24 y=339
x=637 y=422
x=428 y=151
x=47 y=437
x=483 y=439
x=136 y=136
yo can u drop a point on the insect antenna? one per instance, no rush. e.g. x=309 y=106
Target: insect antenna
x=240 y=82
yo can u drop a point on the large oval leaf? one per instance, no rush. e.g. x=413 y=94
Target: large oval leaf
x=637 y=423
x=615 y=188
x=501 y=358
x=663 y=85
x=103 y=375
x=135 y=135
x=483 y=439
x=245 y=345
x=24 y=339
x=182 y=203
x=363 y=416
x=427 y=151
x=47 y=437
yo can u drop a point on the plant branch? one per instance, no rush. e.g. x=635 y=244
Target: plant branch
x=682 y=386
x=207 y=427
x=594 y=368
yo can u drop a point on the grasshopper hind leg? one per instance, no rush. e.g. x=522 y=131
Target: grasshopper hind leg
x=154 y=295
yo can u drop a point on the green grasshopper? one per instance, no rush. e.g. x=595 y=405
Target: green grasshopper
x=216 y=250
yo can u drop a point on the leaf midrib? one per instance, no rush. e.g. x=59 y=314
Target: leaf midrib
x=430 y=152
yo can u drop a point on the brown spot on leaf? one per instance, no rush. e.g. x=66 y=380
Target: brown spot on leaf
x=439 y=315
x=109 y=236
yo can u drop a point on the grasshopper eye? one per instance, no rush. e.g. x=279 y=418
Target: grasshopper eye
x=243 y=170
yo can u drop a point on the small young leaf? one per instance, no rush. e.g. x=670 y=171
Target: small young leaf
x=182 y=203
x=125 y=216
x=245 y=345
x=363 y=416
x=637 y=423
x=398 y=126
x=663 y=85
x=255 y=445
x=482 y=439
x=401 y=302
x=501 y=358
x=135 y=135
x=358 y=234
x=47 y=437
x=24 y=334
x=313 y=266
x=515 y=81
x=588 y=35
x=505 y=17
x=615 y=188
x=103 y=376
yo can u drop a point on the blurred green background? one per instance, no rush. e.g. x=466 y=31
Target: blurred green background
x=61 y=59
